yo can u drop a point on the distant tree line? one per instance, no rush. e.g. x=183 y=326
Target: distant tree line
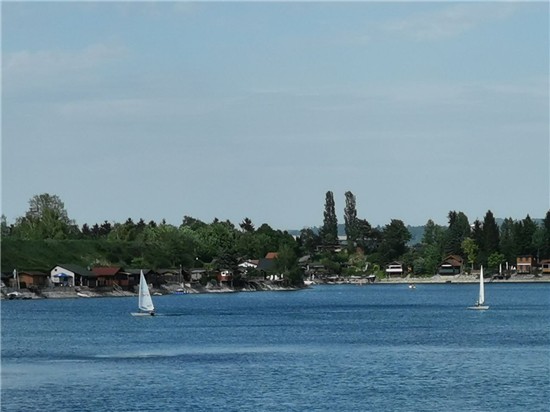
x=221 y=244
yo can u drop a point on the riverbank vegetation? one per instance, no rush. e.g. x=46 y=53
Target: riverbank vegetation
x=45 y=236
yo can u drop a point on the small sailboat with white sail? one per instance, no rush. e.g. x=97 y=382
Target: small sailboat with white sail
x=480 y=304
x=145 y=303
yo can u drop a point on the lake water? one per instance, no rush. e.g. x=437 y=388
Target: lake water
x=328 y=348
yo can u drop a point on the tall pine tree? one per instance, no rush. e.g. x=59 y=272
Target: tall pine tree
x=329 y=231
x=350 y=220
x=491 y=234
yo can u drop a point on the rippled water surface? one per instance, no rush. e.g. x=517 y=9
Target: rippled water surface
x=328 y=348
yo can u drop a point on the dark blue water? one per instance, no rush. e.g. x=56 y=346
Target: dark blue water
x=331 y=348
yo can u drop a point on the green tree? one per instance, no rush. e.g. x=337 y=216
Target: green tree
x=394 y=241
x=247 y=225
x=5 y=230
x=432 y=249
x=350 y=220
x=508 y=245
x=495 y=260
x=458 y=230
x=368 y=238
x=309 y=240
x=46 y=219
x=329 y=230
x=491 y=234
x=523 y=236
x=470 y=247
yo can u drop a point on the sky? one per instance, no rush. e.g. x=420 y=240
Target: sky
x=233 y=110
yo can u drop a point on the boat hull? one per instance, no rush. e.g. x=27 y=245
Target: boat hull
x=479 y=307
x=142 y=314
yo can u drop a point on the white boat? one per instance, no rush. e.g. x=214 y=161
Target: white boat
x=480 y=304
x=145 y=303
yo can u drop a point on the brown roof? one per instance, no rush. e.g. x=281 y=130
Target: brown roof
x=106 y=271
x=272 y=255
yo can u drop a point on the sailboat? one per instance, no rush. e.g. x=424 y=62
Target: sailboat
x=145 y=303
x=481 y=300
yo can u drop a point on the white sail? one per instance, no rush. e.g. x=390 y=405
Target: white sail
x=145 y=302
x=481 y=288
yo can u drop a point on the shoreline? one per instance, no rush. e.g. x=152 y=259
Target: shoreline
x=175 y=289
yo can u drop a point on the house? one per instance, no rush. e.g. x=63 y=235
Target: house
x=33 y=279
x=525 y=264
x=106 y=276
x=266 y=266
x=248 y=269
x=197 y=274
x=545 y=266
x=72 y=275
x=451 y=265
x=225 y=276
x=394 y=269
x=151 y=277
x=248 y=264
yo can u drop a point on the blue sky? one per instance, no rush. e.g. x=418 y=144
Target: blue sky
x=257 y=109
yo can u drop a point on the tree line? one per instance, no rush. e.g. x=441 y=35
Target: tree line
x=222 y=244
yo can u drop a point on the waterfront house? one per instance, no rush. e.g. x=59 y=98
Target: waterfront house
x=151 y=277
x=266 y=266
x=394 y=269
x=525 y=264
x=545 y=266
x=106 y=276
x=72 y=275
x=225 y=275
x=451 y=265
x=248 y=264
x=197 y=274
x=248 y=268
x=33 y=279
x=272 y=255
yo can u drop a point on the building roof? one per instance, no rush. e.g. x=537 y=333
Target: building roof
x=79 y=270
x=266 y=264
x=272 y=255
x=32 y=273
x=106 y=271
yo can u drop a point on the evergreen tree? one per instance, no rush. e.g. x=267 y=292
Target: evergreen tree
x=523 y=236
x=394 y=241
x=329 y=230
x=309 y=240
x=246 y=225
x=459 y=229
x=507 y=240
x=350 y=220
x=432 y=247
x=429 y=236
x=491 y=234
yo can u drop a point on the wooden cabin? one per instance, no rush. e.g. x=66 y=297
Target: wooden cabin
x=525 y=265
x=451 y=265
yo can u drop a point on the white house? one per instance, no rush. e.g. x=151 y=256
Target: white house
x=71 y=275
x=394 y=269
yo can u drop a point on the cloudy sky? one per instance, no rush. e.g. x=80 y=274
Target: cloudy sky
x=233 y=110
